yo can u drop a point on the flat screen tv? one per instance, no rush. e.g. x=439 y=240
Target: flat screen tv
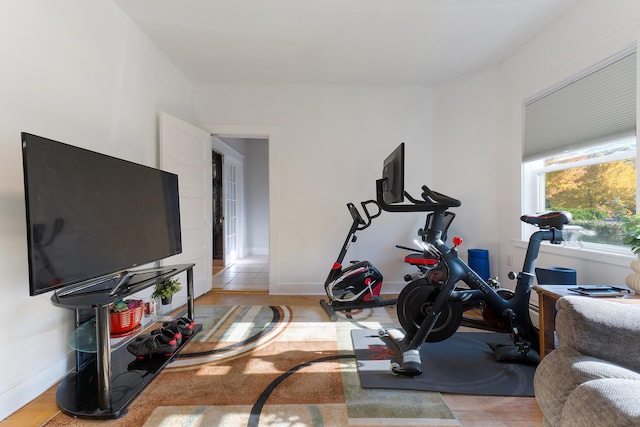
x=393 y=176
x=90 y=215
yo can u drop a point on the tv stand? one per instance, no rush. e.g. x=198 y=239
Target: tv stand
x=88 y=392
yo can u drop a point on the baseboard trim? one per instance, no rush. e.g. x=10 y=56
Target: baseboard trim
x=33 y=384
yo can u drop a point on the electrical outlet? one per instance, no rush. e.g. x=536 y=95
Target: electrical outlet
x=509 y=260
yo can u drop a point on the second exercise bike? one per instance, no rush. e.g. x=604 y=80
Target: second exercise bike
x=359 y=284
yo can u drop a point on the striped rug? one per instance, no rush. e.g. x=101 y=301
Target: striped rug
x=274 y=366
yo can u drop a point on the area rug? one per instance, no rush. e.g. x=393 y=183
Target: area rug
x=274 y=366
x=463 y=363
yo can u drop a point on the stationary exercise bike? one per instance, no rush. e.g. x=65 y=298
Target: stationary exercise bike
x=359 y=285
x=431 y=308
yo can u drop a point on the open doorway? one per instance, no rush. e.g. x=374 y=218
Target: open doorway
x=243 y=203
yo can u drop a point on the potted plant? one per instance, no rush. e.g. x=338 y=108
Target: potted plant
x=630 y=228
x=165 y=290
x=631 y=231
x=124 y=316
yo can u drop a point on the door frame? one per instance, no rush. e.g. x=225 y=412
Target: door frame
x=272 y=134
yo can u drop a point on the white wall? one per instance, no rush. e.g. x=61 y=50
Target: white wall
x=327 y=149
x=256 y=171
x=78 y=72
x=486 y=109
x=467 y=160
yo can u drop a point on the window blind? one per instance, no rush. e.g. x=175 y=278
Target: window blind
x=597 y=106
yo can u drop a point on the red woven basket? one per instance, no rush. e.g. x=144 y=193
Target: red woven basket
x=125 y=321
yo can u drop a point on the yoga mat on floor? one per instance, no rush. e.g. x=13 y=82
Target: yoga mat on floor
x=463 y=363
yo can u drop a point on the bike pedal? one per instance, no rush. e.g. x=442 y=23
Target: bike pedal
x=411 y=364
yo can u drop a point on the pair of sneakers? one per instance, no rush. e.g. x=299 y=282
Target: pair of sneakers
x=182 y=325
x=151 y=345
x=163 y=341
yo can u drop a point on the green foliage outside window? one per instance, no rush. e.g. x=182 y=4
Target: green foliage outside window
x=603 y=189
x=595 y=195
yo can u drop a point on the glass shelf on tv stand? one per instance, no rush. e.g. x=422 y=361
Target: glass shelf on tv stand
x=83 y=338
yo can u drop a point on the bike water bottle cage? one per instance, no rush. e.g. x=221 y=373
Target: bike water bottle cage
x=547 y=220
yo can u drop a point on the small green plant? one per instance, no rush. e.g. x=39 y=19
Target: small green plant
x=125 y=305
x=166 y=288
x=630 y=226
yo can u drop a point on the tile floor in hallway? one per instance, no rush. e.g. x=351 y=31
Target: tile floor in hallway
x=250 y=273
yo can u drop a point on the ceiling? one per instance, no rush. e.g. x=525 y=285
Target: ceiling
x=370 y=42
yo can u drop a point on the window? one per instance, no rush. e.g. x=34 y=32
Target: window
x=579 y=149
x=596 y=184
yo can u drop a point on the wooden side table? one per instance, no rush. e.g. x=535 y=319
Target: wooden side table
x=547 y=297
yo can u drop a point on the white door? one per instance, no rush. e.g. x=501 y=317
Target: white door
x=233 y=195
x=186 y=151
x=231 y=208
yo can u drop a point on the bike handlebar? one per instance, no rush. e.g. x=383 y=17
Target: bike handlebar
x=433 y=201
x=366 y=211
x=359 y=222
x=439 y=198
x=357 y=218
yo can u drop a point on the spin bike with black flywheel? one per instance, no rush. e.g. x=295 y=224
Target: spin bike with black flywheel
x=431 y=308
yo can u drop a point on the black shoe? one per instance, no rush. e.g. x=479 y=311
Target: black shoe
x=182 y=325
x=152 y=345
x=170 y=333
x=166 y=331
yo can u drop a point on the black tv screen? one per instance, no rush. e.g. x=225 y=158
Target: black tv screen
x=89 y=215
x=393 y=176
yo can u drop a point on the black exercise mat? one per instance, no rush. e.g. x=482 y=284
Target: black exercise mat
x=463 y=363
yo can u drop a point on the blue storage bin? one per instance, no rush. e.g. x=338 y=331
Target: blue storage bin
x=556 y=276
x=479 y=262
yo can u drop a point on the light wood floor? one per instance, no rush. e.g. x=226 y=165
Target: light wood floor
x=471 y=411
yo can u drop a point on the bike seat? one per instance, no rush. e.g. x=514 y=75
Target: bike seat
x=419 y=259
x=556 y=219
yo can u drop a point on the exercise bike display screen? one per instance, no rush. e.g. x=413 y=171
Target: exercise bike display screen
x=393 y=176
